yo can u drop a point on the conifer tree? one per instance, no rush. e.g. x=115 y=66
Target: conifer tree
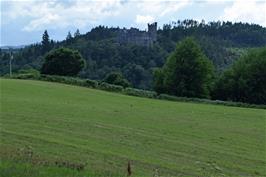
x=45 y=42
x=77 y=33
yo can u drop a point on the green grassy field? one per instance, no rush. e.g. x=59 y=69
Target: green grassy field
x=43 y=124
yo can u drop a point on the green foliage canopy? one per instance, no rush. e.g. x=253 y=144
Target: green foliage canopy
x=187 y=72
x=116 y=78
x=63 y=61
x=245 y=81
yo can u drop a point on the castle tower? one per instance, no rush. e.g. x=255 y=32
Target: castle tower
x=152 y=27
x=152 y=30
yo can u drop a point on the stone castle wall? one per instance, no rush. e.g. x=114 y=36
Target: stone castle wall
x=137 y=37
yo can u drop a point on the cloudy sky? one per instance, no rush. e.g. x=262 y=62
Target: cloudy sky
x=23 y=21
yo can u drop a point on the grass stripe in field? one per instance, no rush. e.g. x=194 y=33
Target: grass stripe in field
x=52 y=131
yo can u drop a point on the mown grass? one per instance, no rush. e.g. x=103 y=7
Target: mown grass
x=104 y=131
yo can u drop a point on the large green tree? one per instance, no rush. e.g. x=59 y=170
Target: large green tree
x=187 y=72
x=245 y=81
x=63 y=61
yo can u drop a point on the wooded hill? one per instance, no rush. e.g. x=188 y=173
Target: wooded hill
x=222 y=42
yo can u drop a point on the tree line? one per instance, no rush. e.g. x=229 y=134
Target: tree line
x=187 y=73
x=219 y=43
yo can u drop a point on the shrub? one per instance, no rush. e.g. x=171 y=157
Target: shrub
x=110 y=87
x=91 y=83
x=65 y=80
x=26 y=74
x=51 y=78
x=175 y=98
x=116 y=78
x=32 y=71
x=207 y=101
x=140 y=93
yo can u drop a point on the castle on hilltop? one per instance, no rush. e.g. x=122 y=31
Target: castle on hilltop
x=137 y=37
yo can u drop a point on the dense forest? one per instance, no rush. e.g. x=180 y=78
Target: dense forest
x=221 y=42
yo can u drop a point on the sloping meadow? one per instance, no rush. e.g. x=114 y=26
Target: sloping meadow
x=65 y=130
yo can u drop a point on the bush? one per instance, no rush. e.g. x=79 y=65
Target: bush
x=175 y=98
x=51 y=78
x=66 y=80
x=32 y=71
x=110 y=87
x=26 y=74
x=116 y=78
x=168 y=97
x=75 y=81
x=91 y=83
x=140 y=93
x=207 y=101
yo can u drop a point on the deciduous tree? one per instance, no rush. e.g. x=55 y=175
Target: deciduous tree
x=245 y=81
x=63 y=61
x=187 y=72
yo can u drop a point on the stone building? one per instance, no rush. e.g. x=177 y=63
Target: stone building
x=138 y=37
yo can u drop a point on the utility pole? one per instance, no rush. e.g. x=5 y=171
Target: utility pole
x=10 y=64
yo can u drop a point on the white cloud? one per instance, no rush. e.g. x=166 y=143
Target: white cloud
x=58 y=14
x=144 y=19
x=246 y=11
x=152 y=10
x=55 y=14
x=160 y=8
x=38 y=23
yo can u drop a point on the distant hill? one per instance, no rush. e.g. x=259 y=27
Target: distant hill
x=6 y=47
x=104 y=51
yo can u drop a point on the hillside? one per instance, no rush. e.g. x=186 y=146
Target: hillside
x=48 y=129
x=222 y=42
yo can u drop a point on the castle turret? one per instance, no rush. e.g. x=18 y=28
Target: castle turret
x=152 y=30
x=152 y=27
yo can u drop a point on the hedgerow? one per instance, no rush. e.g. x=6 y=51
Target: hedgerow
x=127 y=91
